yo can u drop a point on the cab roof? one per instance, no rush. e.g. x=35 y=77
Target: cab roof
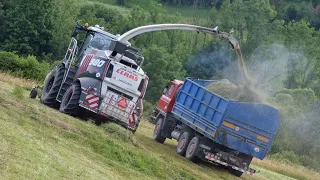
x=176 y=81
x=95 y=29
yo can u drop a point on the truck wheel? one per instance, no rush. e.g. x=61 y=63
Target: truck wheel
x=52 y=85
x=183 y=142
x=136 y=126
x=157 y=132
x=192 y=150
x=70 y=100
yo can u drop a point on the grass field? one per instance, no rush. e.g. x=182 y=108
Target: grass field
x=37 y=142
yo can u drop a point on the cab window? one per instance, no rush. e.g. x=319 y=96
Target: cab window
x=100 y=41
x=169 y=90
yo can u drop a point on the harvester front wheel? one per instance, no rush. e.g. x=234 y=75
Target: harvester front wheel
x=70 y=100
x=52 y=85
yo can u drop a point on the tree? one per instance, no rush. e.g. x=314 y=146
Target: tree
x=160 y=67
x=121 y=2
x=296 y=11
x=4 y=5
x=2 y=20
x=303 y=40
x=29 y=27
x=65 y=17
x=252 y=17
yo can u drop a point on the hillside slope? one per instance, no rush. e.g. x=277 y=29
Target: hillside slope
x=37 y=142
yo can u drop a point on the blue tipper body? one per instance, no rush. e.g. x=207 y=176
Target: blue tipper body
x=208 y=113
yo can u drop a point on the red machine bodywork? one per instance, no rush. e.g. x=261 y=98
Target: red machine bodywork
x=167 y=99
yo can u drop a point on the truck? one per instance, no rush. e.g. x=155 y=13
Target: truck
x=209 y=127
x=98 y=74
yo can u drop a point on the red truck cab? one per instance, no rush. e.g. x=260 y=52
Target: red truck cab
x=167 y=100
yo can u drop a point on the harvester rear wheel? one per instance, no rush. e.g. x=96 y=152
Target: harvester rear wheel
x=52 y=86
x=70 y=100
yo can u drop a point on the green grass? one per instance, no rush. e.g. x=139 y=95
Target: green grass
x=37 y=142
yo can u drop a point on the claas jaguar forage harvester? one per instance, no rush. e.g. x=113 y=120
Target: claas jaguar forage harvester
x=99 y=74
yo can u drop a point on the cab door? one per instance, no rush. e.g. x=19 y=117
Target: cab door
x=166 y=102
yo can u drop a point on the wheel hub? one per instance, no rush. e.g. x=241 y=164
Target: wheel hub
x=156 y=130
x=68 y=98
x=191 y=148
x=181 y=143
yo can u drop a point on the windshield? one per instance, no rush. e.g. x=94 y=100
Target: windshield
x=100 y=41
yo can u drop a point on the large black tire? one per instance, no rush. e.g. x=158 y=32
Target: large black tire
x=70 y=100
x=157 y=131
x=136 y=126
x=52 y=85
x=193 y=147
x=183 y=142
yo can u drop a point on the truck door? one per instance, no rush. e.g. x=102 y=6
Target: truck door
x=165 y=103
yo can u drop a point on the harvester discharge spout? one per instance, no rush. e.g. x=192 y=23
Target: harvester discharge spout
x=160 y=27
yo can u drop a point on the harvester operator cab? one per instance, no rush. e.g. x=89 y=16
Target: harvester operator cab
x=85 y=37
x=96 y=41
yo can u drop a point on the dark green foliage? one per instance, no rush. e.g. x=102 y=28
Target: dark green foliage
x=114 y=20
x=2 y=17
x=121 y=2
x=201 y=3
x=147 y=108
x=160 y=67
x=27 y=67
x=28 y=26
x=304 y=99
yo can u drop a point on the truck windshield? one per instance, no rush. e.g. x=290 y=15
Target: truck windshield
x=100 y=41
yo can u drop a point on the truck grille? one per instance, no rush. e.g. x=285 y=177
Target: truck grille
x=120 y=93
x=119 y=107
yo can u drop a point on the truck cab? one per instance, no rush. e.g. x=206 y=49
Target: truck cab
x=167 y=99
